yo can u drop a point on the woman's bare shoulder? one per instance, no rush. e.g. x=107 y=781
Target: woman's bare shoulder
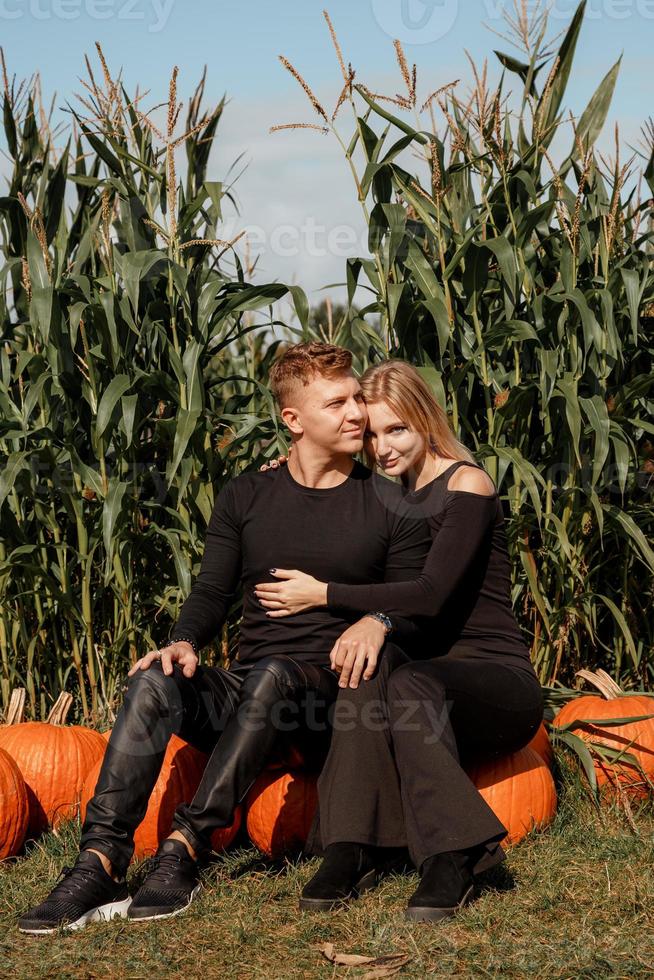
x=471 y=479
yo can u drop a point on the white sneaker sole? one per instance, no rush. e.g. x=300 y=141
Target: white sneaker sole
x=168 y=915
x=103 y=913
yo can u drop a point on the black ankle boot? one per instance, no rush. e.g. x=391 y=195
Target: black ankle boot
x=347 y=870
x=446 y=885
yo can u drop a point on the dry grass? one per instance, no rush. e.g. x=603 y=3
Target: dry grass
x=575 y=901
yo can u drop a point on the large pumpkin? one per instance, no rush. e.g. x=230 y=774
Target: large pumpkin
x=280 y=811
x=636 y=737
x=180 y=775
x=520 y=791
x=541 y=743
x=54 y=760
x=14 y=808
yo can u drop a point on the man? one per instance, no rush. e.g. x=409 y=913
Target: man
x=324 y=513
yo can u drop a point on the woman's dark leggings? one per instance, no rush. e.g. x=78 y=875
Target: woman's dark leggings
x=239 y=716
x=396 y=780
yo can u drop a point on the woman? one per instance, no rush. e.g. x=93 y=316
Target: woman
x=476 y=695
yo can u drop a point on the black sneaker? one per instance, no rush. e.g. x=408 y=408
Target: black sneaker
x=346 y=872
x=85 y=894
x=170 y=886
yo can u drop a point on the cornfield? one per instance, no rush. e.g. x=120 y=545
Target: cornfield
x=128 y=350
x=523 y=286
x=135 y=351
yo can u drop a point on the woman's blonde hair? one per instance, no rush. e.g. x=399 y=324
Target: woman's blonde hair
x=404 y=389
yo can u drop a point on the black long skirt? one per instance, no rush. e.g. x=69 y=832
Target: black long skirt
x=394 y=774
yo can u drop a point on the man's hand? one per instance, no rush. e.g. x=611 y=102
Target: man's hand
x=356 y=651
x=177 y=653
x=276 y=463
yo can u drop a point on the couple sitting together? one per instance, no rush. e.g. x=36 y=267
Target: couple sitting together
x=332 y=558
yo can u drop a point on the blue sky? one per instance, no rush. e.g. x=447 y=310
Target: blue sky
x=296 y=188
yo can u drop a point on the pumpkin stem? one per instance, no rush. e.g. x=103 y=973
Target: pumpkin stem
x=60 y=709
x=603 y=682
x=16 y=707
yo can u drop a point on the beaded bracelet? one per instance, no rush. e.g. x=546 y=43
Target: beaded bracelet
x=184 y=638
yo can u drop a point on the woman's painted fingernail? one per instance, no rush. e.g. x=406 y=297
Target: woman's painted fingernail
x=272 y=570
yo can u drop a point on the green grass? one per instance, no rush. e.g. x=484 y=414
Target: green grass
x=573 y=901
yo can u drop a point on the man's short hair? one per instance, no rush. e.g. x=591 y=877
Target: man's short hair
x=301 y=363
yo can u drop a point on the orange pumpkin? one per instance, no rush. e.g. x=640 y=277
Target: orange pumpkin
x=54 y=760
x=520 y=791
x=280 y=811
x=541 y=743
x=14 y=808
x=636 y=737
x=180 y=775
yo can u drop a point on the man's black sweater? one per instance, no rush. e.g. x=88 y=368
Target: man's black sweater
x=357 y=532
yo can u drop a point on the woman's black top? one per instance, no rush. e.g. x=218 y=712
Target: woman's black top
x=466 y=581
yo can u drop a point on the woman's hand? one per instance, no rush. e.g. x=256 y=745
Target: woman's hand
x=295 y=594
x=356 y=651
x=276 y=463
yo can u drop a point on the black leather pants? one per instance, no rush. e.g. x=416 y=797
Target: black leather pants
x=239 y=716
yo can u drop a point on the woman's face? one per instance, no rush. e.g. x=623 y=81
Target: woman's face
x=396 y=447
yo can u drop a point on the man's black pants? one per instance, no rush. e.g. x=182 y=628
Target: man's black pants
x=239 y=716
x=396 y=779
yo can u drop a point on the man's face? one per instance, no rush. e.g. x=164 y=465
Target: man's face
x=329 y=413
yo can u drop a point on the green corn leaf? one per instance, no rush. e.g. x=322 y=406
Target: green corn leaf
x=592 y=119
x=567 y=387
x=557 y=90
x=193 y=374
x=581 y=750
x=301 y=304
x=102 y=150
x=110 y=397
x=633 y=532
x=526 y=72
x=598 y=417
x=634 y=292
x=179 y=552
x=10 y=127
x=113 y=504
x=186 y=426
x=389 y=117
x=254 y=297
x=13 y=465
x=622 y=452
x=603 y=722
x=129 y=405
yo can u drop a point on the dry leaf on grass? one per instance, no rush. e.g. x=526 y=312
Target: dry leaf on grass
x=386 y=971
x=383 y=966
x=343 y=959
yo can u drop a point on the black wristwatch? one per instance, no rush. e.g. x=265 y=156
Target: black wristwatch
x=384 y=620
